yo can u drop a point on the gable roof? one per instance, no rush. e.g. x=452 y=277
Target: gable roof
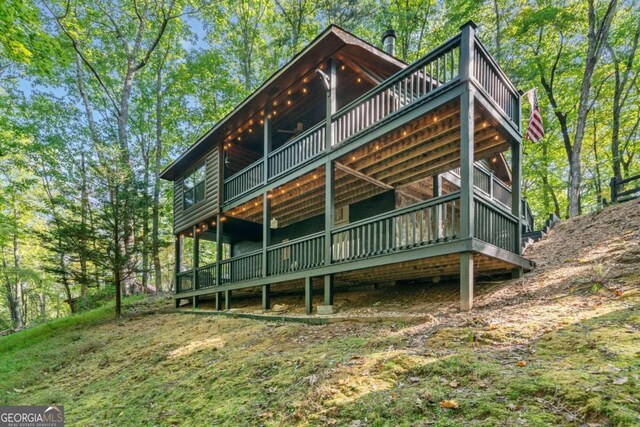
x=333 y=41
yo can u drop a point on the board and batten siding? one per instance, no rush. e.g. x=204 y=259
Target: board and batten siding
x=204 y=210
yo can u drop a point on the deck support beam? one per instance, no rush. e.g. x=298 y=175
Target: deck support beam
x=466 y=281
x=196 y=258
x=266 y=297
x=218 y=301
x=308 y=295
x=227 y=299
x=219 y=234
x=196 y=301
x=328 y=289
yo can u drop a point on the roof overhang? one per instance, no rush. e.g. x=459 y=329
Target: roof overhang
x=332 y=42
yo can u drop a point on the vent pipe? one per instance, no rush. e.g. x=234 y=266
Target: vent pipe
x=389 y=42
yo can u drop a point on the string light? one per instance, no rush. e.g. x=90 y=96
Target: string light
x=304 y=89
x=343 y=67
x=288 y=102
x=359 y=80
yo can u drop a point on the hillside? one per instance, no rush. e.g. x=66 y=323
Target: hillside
x=561 y=346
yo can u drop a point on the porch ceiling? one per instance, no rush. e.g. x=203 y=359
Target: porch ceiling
x=427 y=146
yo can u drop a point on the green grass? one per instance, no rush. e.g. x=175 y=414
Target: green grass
x=165 y=368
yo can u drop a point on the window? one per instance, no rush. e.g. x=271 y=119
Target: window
x=193 y=187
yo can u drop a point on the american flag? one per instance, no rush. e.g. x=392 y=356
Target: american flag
x=536 y=130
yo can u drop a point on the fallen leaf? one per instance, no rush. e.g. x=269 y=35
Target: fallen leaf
x=621 y=380
x=618 y=293
x=521 y=363
x=414 y=379
x=454 y=384
x=449 y=404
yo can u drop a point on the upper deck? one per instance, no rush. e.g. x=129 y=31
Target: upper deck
x=425 y=85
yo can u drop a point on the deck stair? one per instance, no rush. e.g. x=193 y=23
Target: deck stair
x=533 y=236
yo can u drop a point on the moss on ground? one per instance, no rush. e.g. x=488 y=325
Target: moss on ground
x=158 y=367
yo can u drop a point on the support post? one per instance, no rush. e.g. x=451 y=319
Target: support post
x=437 y=192
x=266 y=142
x=266 y=297
x=196 y=258
x=266 y=231
x=329 y=211
x=227 y=300
x=308 y=295
x=330 y=102
x=466 y=281
x=614 y=189
x=219 y=234
x=218 y=301
x=177 y=302
x=196 y=301
x=516 y=191
x=466 y=163
x=176 y=269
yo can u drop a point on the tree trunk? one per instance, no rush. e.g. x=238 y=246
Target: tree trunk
x=155 y=241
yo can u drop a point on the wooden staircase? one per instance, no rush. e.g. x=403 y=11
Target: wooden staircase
x=533 y=236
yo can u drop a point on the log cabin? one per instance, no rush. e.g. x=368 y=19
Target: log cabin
x=350 y=166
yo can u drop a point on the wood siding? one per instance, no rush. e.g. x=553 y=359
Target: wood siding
x=209 y=207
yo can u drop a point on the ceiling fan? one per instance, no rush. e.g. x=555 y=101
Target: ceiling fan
x=295 y=131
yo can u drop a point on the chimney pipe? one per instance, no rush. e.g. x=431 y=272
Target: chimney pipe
x=389 y=42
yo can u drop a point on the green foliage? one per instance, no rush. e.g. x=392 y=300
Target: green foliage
x=78 y=146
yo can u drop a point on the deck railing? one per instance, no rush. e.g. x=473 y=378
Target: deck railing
x=206 y=276
x=298 y=151
x=434 y=71
x=299 y=254
x=494 y=82
x=184 y=281
x=241 y=268
x=429 y=222
x=495 y=225
x=244 y=181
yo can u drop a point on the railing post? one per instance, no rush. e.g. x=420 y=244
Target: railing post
x=516 y=191
x=467 y=48
x=614 y=189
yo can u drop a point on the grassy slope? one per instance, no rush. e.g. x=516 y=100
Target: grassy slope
x=575 y=322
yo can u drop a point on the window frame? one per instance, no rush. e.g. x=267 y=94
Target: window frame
x=194 y=186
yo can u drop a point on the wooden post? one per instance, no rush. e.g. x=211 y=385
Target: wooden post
x=328 y=289
x=467 y=42
x=196 y=259
x=227 y=300
x=466 y=163
x=466 y=281
x=267 y=142
x=330 y=102
x=266 y=297
x=196 y=301
x=614 y=189
x=329 y=211
x=308 y=295
x=516 y=191
x=219 y=235
x=218 y=301
x=467 y=46
x=266 y=231
x=437 y=192
x=176 y=269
